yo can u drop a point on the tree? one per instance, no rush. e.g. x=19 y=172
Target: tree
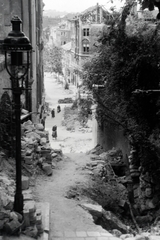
x=127 y=60
x=53 y=59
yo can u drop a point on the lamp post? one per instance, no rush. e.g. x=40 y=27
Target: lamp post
x=17 y=48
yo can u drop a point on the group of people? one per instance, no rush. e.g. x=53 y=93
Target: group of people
x=54 y=128
x=53 y=111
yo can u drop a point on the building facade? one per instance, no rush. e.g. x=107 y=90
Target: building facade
x=63 y=33
x=30 y=13
x=85 y=28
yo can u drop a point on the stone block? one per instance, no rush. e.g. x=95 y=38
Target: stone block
x=111 y=221
x=31 y=146
x=38 y=212
x=9 y=205
x=26 y=218
x=58 y=151
x=29 y=152
x=2 y=222
x=32 y=217
x=27 y=191
x=53 y=165
x=94 y=210
x=40 y=228
x=42 y=133
x=31 y=232
x=136 y=192
x=28 y=159
x=39 y=127
x=38 y=219
x=45 y=151
x=7 y=201
x=20 y=217
x=43 y=141
x=46 y=217
x=12 y=226
x=30 y=206
x=4 y=214
x=47 y=168
x=25 y=182
x=48 y=157
x=54 y=155
x=23 y=153
x=27 y=196
x=23 y=145
x=13 y=215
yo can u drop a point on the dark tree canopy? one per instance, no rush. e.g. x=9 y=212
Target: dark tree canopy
x=126 y=62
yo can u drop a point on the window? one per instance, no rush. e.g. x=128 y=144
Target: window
x=85 y=31
x=85 y=45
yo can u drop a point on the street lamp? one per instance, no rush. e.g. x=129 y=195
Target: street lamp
x=17 y=48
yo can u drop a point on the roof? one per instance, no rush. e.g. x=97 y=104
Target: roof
x=66 y=46
x=90 y=9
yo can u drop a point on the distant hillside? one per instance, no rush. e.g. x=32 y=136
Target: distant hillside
x=53 y=13
x=70 y=15
x=49 y=21
x=55 y=20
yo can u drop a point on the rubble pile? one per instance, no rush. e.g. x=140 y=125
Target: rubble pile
x=108 y=165
x=139 y=198
x=37 y=158
x=101 y=166
x=12 y=222
x=116 y=227
x=145 y=191
x=36 y=149
x=72 y=121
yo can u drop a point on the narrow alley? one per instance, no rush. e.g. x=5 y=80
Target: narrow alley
x=68 y=218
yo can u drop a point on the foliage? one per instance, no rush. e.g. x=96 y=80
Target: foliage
x=84 y=109
x=126 y=61
x=150 y=5
x=53 y=59
x=85 y=106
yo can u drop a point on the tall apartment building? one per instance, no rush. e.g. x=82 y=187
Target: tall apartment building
x=85 y=29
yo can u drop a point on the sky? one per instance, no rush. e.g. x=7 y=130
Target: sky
x=78 y=5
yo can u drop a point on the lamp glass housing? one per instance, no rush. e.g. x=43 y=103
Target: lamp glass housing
x=17 y=48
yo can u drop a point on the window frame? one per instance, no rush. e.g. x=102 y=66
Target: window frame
x=85 y=32
x=85 y=46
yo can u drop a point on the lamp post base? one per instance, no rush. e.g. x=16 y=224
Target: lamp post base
x=18 y=203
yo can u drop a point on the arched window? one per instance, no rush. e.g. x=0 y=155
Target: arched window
x=85 y=44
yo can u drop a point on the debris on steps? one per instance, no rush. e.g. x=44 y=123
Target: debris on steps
x=37 y=158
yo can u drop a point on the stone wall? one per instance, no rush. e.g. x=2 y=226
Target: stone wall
x=112 y=136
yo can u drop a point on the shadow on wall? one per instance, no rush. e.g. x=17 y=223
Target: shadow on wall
x=112 y=136
x=7 y=125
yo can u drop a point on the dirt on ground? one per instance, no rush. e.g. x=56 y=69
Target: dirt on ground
x=72 y=183
x=63 y=191
x=59 y=190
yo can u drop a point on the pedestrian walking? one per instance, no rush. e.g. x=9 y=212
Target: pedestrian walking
x=53 y=113
x=54 y=132
x=58 y=109
x=43 y=122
